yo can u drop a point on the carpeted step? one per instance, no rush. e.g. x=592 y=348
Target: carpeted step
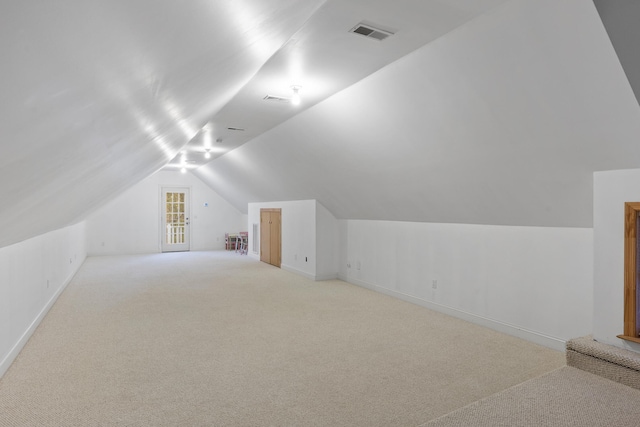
x=608 y=361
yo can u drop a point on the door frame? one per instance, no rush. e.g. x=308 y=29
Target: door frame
x=162 y=228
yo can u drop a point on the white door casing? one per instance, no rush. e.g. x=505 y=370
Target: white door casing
x=175 y=230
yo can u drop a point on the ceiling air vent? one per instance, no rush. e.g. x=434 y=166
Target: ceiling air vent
x=276 y=98
x=236 y=129
x=370 y=31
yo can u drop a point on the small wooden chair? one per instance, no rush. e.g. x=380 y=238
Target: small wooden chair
x=242 y=241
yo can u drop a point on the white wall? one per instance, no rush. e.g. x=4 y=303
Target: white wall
x=327 y=244
x=531 y=282
x=298 y=234
x=309 y=237
x=32 y=275
x=130 y=223
x=611 y=190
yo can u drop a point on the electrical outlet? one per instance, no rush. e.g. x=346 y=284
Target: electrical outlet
x=47 y=283
x=434 y=284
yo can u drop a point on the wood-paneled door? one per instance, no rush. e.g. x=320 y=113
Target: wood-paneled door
x=270 y=236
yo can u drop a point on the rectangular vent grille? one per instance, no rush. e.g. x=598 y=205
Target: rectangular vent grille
x=276 y=98
x=370 y=31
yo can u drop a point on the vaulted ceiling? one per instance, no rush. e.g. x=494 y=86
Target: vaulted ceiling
x=492 y=111
x=620 y=18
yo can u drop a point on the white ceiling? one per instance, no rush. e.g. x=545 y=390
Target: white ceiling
x=489 y=111
x=502 y=121
x=322 y=57
x=620 y=18
x=97 y=95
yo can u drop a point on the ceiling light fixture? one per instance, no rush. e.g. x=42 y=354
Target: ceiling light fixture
x=207 y=155
x=295 y=99
x=183 y=170
x=207 y=137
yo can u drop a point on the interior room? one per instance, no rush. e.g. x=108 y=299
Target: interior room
x=470 y=159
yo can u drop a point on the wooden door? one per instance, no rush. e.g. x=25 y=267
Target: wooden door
x=270 y=236
x=265 y=231
x=275 y=237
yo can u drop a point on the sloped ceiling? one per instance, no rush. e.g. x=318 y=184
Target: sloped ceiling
x=97 y=95
x=490 y=111
x=502 y=121
x=323 y=57
x=621 y=18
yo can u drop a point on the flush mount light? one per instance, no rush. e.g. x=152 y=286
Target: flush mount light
x=183 y=170
x=207 y=154
x=295 y=99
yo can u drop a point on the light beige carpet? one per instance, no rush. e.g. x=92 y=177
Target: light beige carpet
x=219 y=339
x=565 y=397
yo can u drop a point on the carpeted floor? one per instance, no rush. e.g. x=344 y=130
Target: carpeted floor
x=219 y=339
x=565 y=397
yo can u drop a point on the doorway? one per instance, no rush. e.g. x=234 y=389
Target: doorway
x=270 y=236
x=175 y=220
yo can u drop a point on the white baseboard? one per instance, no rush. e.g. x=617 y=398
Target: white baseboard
x=296 y=271
x=315 y=278
x=496 y=325
x=118 y=253
x=17 y=348
x=322 y=277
